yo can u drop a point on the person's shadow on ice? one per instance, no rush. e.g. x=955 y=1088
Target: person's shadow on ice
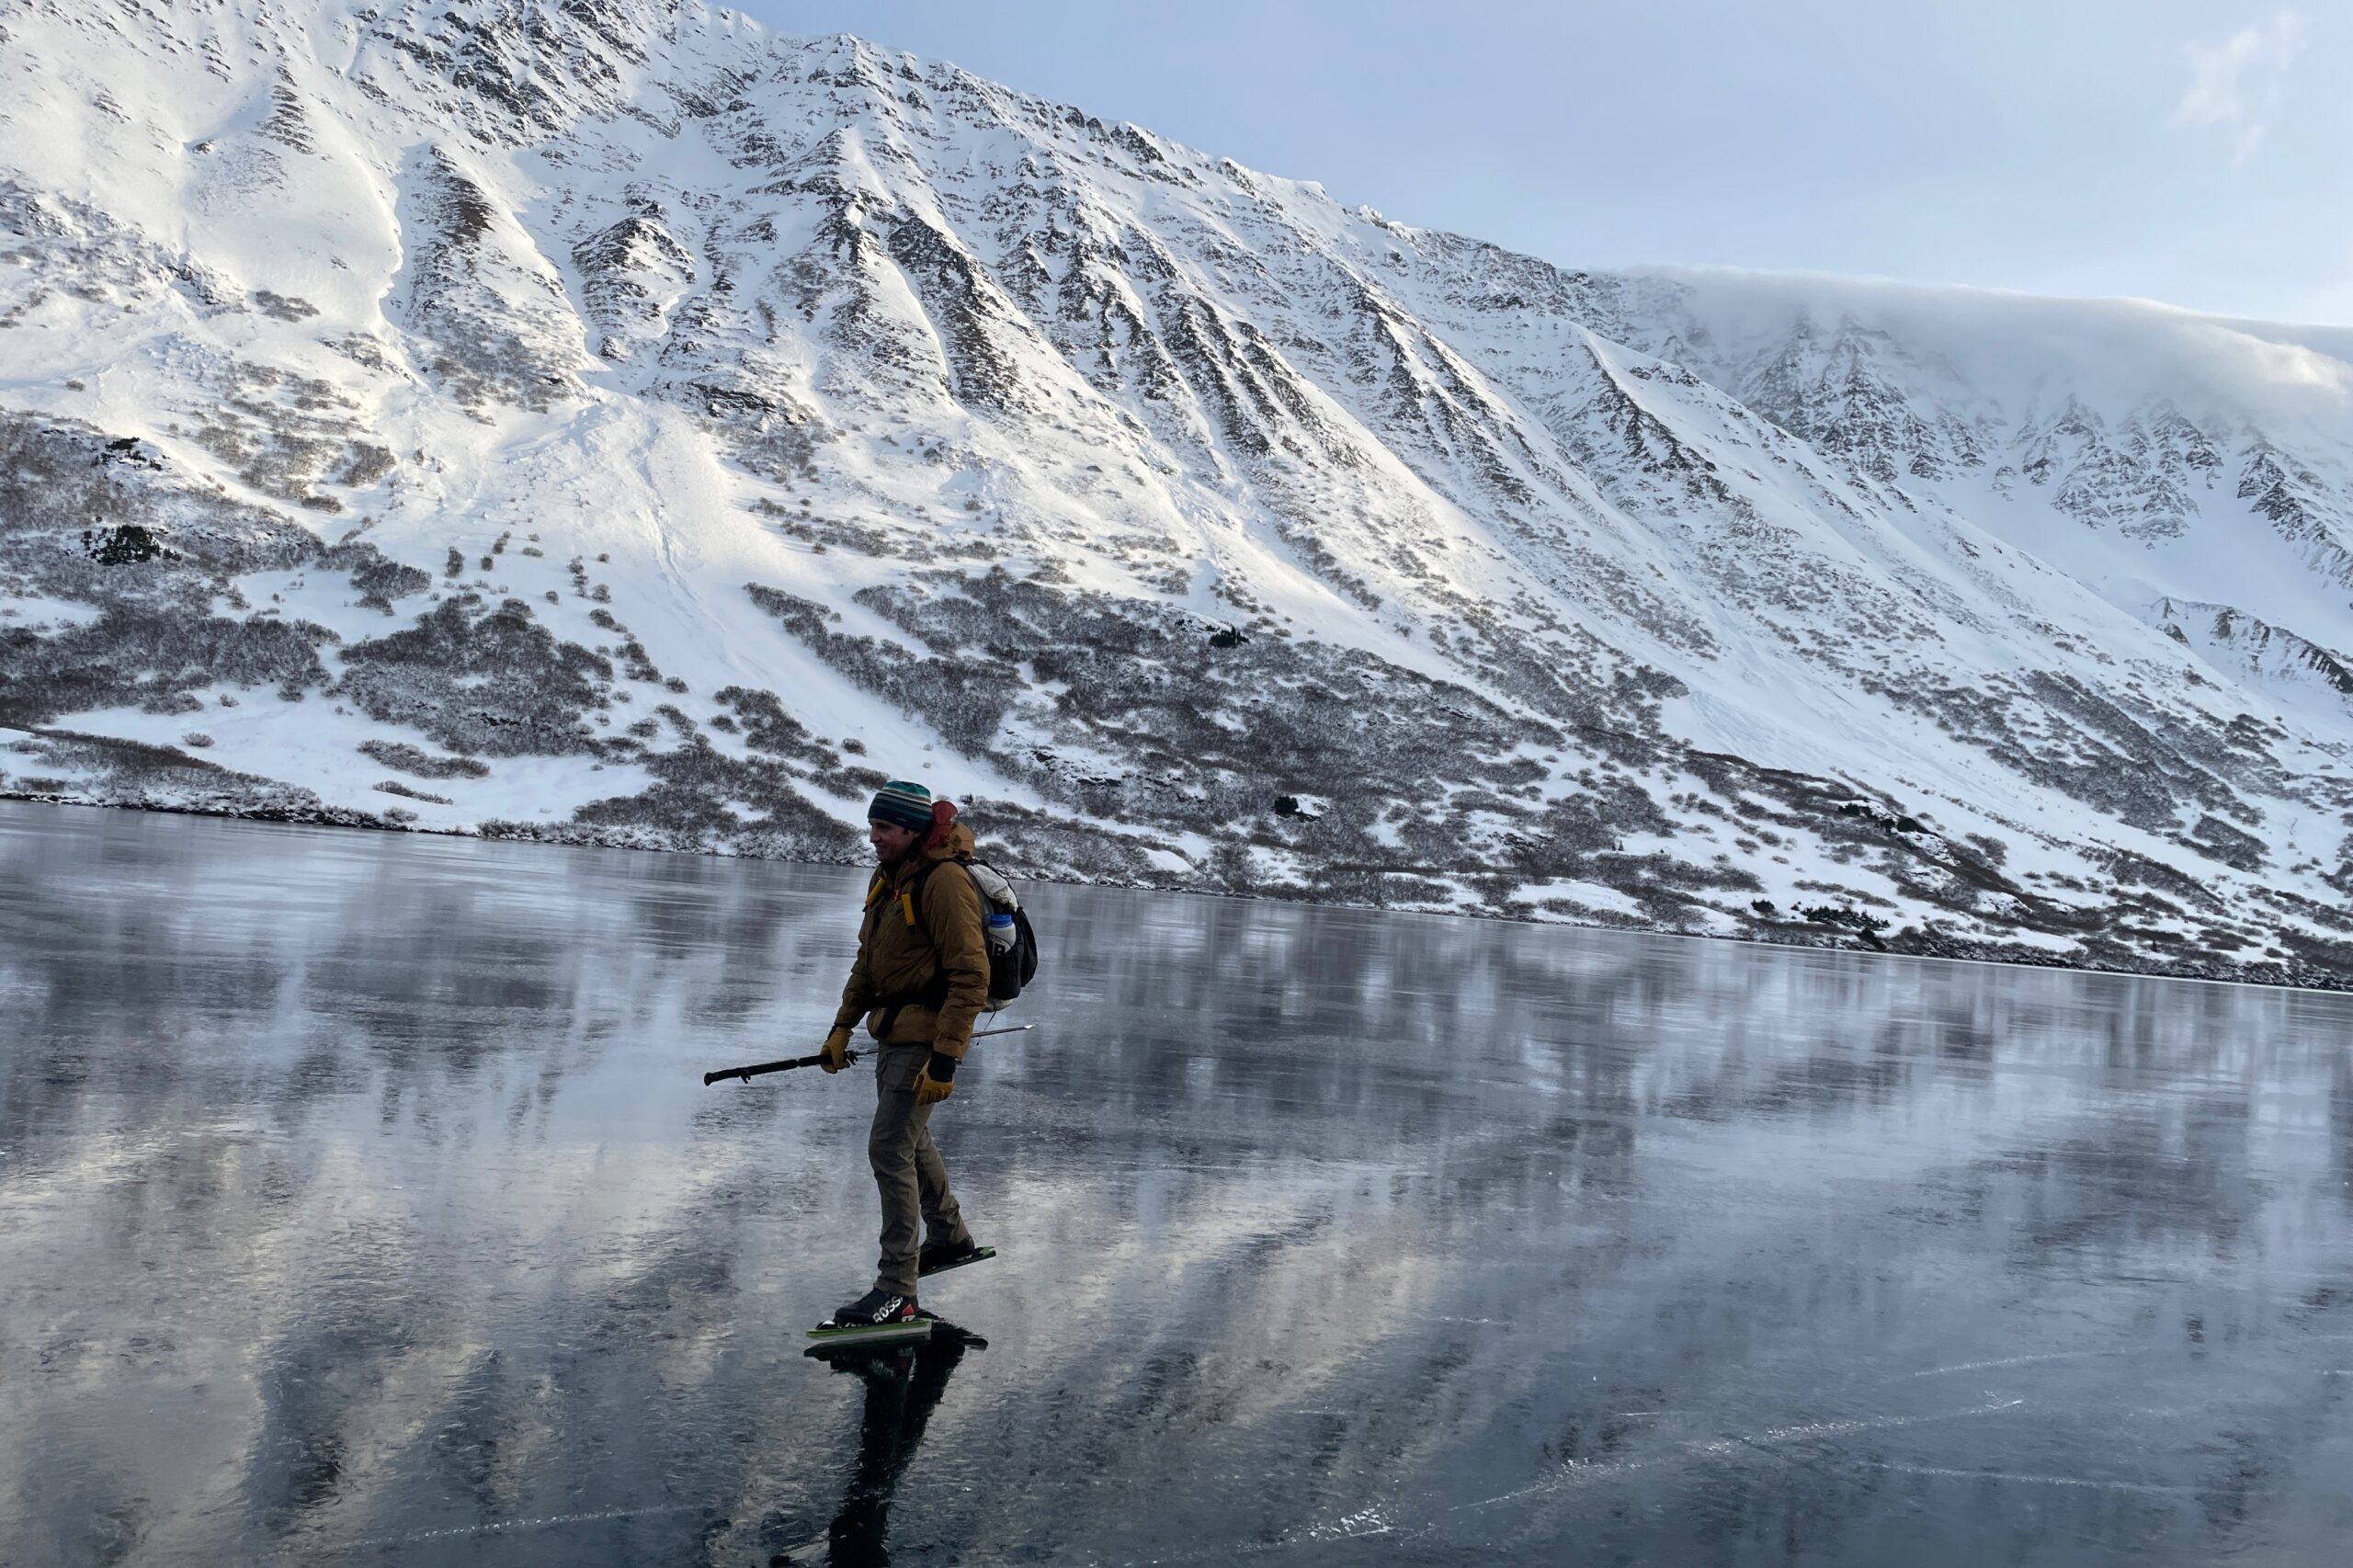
x=904 y=1383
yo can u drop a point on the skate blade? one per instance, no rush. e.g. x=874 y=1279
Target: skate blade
x=982 y=1256
x=875 y=1334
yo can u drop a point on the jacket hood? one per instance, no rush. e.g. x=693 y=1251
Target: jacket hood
x=959 y=844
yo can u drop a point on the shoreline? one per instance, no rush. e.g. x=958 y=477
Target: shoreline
x=2269 y=974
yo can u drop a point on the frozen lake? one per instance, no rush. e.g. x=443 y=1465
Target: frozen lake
x=360 y=1201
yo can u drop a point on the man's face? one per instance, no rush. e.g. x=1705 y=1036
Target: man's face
x=890 y=841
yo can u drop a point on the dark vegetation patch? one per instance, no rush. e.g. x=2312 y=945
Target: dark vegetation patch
x=965 y=700
x=377 y=579
x=823 y=533
x=150 y=658
x=2129 y=870
x=2218 y=840
x=286 y=435
x=494 y=684
x=418 y=763
x=703 y=798
x=1868 y=925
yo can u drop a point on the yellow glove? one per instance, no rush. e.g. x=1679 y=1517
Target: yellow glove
x=937 y=1079
x=835 y=1050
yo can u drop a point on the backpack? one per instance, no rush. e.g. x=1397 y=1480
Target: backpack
x=1013 y=947
x=1004 y=928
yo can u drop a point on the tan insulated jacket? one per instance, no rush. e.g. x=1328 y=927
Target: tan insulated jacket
x=929 y=959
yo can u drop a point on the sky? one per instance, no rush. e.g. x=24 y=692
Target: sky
x=2197 y=153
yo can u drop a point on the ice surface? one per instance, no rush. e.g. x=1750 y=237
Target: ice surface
x=359 y=1200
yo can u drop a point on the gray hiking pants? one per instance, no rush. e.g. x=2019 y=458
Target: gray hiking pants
x=907 y=1171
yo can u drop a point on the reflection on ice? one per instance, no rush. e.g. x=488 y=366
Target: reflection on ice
x=361 y=1192
x=904 y=1383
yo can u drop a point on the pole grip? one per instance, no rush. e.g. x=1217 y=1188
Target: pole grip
x=756 y=1068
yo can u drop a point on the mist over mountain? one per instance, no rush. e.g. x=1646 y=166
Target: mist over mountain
x=608 y=422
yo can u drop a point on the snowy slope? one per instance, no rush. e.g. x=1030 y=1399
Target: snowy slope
x=610 y=422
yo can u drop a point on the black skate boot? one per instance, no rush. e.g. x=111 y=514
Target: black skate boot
x=877 y=1315
x=933 y=1259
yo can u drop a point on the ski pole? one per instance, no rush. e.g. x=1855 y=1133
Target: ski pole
x=756 y=1069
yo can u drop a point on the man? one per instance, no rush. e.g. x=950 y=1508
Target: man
x=920 y=978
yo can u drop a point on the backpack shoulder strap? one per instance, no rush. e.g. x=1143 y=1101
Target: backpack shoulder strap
x=911 y=897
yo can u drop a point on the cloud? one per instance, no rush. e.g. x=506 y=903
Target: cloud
x=2235 y=85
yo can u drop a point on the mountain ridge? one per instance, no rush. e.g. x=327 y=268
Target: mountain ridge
x=640 y=409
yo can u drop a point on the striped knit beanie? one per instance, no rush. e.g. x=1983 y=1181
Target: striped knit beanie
x=902 y=805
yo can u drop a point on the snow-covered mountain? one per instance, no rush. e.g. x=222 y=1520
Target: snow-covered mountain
x=605 y=421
